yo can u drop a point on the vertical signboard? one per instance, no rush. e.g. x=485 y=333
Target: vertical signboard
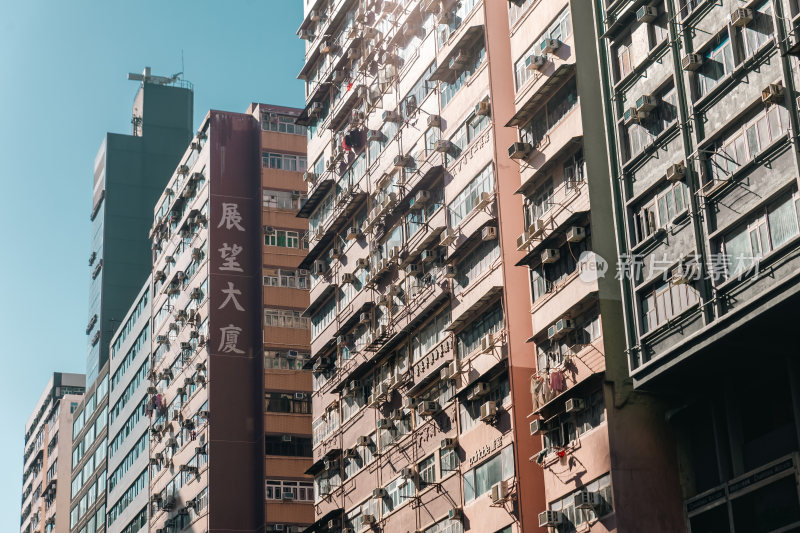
x=236 y=424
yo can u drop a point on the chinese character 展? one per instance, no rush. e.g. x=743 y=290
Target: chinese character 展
x=231 y=217
x=229 y=339
x=230 y=296
x=230 y=256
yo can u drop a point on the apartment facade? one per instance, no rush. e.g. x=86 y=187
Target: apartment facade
x=702 y=118
x=223 y=429
x=89 y=447
x=45 y=496
x=128 y=424
x=129 y=174
x=421 y=367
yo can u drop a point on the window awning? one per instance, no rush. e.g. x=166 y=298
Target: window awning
x=553 y=82
x=319 y=466
x=319 y=300
x=565 y=148
x=469 y=314
x=470 y=36
x=320 y=191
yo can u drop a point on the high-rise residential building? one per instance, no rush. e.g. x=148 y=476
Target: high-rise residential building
x=467 y=347
x=130 y=171
x=45 y=482
x=230 y=435
x=421 y=368
x=87 y=507
x=128 y=424
x=701 y=112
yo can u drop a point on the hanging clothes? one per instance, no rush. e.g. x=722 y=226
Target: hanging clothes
x=557 y=381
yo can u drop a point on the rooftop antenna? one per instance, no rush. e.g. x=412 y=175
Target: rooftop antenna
x=147 y=77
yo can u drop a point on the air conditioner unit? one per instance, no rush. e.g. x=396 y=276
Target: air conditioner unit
x=645 y=104
x=482 y=200
x=741 y=16
x=646 y=14
x=489 y=233
x=448 y=237
x=327 y=47
x=350 y=453
x=369 y=519
x=385 y=423
x=434 y=121
x=287 y=495
x=444 y=146
x=519 y=150
x=427 y=256
x=549 y=518
x=587 y=500
x=448 y=443
x=413 y=270
x=309 y=177
x=691 y=62
x=162 y=339
x=538 y=427
x=676 y=172
x=772 y=93
x=559 y=328
x=408 y=472
x=487 y=342
x=574 y=405
x=550 y=255
x=488 y=411
x=362 y=262
x=378 y=494
x=483 y=108
x=292 y=354
x=363 y=441
x=576 y=234
x=455 y=513
x=409 y=402
x=330 y=464
x=306 y=35
x=499 y=492
x=334 y=253
x=630 y=116
x=348 y=278
x=392 y=116
x=363 y=318
x=535 y=62
x=479 y=390
x=445 y=374
x=403 y=161
x=385 y=300
x=523 y=240
x=269 y=230
x=548 y=46
x=315 y=111
x=427 y=408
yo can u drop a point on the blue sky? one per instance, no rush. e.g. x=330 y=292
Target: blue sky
x=63 y=69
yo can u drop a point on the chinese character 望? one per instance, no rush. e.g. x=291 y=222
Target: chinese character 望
x=230 y=255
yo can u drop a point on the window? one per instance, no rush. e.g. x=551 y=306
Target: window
x=398 y=492
x=718 y=62
x=281 y=124
x=467 y=199
x=430 y=335
x=285 y=239
x=279 y=277
x=284 y=318
x=766 y=231
x=475 y=264
x=560 y=29
x=547 y=277
x=552 y=353
x=641 y=134
x=470 y=410
x=758 y=31
x=550 y=115
x=294 y=163
x=573 y=518
x=659 y=211
x=283 y=199
x=322 y=317
x=277 y=402
x=300 y=490
x=565 y=428
x=622 y=56
x=480 y=479
x=448 y=461
x=744 y=143
x=667 y=300
x=469 y=340
x=427 y=471
x=284 y=361
x=449 y=90
x=447 y=525
x=465 y=134
x=297 y=447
